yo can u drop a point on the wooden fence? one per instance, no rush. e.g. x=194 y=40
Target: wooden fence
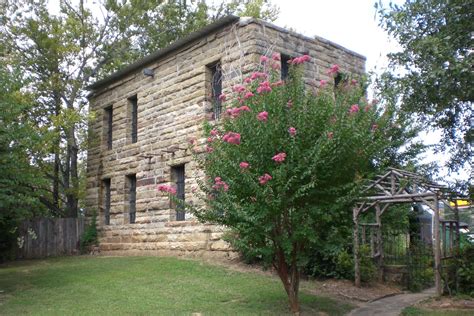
x=46 y=237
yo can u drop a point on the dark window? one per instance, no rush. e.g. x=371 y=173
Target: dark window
x=284 y=66
x=134 y=117
x=177 y=173
x=108 y=114
x=106 y=192
x=337 y=80
x=216 y=88
x=132 y=197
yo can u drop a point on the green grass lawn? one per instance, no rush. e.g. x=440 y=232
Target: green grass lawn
x=143 y=286
x=415 y=311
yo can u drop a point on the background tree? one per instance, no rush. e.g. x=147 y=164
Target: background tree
x=22 y=185
x=432 y=73
x=285 y=165
x=60 y=54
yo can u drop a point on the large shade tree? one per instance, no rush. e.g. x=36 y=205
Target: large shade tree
x=285 y=164
x=432 y=72
x=21 y=184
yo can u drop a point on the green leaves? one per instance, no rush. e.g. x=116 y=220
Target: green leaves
x=290 y=201
x=435 y=83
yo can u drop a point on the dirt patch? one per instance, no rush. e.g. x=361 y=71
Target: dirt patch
x=448 y=303
x=346 y=291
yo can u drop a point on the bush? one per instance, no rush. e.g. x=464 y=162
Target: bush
x=340 y=265
x=464 y=266
x=90 y=236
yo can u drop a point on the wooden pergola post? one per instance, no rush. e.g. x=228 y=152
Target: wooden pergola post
x=355 y=218
x=378 y=218
x=437 y=248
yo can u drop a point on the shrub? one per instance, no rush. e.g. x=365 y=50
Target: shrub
x=90 y=236
x=285 y=165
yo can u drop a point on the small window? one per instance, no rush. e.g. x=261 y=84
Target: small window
x=133 y=114
x=132 y=197
x=284 y=66
x=108 y=129
x=178 y=177
x=215 y=72
x=106 y=200
x=337 y=80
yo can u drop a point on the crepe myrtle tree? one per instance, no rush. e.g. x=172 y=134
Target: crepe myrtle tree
x=285 y=163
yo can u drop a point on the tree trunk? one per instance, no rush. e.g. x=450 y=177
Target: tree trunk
x=71 y=174
x=56 y=149
x=290 y=277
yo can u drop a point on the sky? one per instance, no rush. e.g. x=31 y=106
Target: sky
x=350 y=23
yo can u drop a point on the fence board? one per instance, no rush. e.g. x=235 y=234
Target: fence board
x=46 y=237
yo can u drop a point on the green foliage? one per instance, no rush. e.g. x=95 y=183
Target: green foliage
x=432 y=73
x=463 y=265
x=21 y=183
x=420 y=264
x=316 y=169
x=466 y=270
x=90 y=236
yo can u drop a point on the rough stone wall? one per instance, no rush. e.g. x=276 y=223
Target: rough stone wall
x=171 y=108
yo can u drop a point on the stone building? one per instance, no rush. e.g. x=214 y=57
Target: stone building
x=146 y=114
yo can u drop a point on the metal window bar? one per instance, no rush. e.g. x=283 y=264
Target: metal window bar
x=134 y=118
x=132 y=198
x=107 y=201
x=180 y=179
x=217 y=89
x=109 y=116
x=284 y=66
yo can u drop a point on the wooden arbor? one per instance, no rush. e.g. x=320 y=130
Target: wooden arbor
x=395 y=187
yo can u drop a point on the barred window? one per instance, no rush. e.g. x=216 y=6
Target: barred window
x=132 y=197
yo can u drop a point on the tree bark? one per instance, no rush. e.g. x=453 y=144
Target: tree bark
x=290 y=277
x=56 y=149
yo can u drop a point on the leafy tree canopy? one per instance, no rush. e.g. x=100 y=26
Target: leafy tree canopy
x=432 y=73
x=21 y=184
x=286 y=163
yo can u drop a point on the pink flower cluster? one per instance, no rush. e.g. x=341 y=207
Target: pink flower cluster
x=322 y=83
x=239 y=88
x=300 y=60
x=333 y=70
x=276 y=56
x=167 y=188
x=262 y=116
x=222 y=97
x=258 y=75
x=264 y=86
x=219 y=184
x=280 y=157
x=235 y=112
x=354 y=108
x=248 y=95
x=292 y=131
x=214 y=132
x=263 y=59
x=244 y=165
x=232 y=138
x=278 y=83
x=289 y=104
x=264 y=179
